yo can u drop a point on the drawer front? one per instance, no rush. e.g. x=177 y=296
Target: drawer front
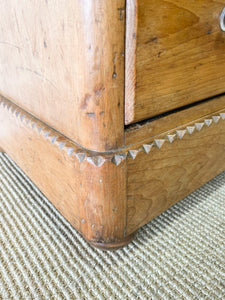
x=180 y=55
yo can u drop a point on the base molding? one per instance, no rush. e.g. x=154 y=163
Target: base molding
x=107 y=196
x=88 y=188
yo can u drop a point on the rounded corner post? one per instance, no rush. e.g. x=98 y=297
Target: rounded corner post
x=102 y=196
x=101 y=117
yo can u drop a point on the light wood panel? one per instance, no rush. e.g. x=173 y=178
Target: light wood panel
x=140 y=132
x=63 y=61
x=176 y=163
x=130 y=58
x=180 y=56
x=68 y=69
x=89 y=190
x=107 y=196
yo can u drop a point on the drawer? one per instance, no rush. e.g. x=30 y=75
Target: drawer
x=175 y=55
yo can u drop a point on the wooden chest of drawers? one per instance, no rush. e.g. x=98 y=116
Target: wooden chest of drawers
x=114 y=108
x=178 y=52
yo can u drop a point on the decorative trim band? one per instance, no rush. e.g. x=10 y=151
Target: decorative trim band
x=99 y=158
x=178 y=134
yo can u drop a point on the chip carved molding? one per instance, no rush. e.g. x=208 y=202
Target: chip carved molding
x=114 y=157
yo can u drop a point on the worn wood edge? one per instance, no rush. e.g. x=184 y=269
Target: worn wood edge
x=91 y=197
x=113 y=246
x=59 y=140
x=102 y=128
x=130 y=59
x=116 y=157
x=88 y=106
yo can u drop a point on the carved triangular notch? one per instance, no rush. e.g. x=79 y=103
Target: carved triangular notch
x=69 y=151
x=33 y=124
x=53 y=139
x=8 y=106
x=46 y=134
x=159 y=143
x=199 y=126
x=80 y=156
x=40 y=129
x=208 y=122
x=133 y=153
x=181 y=133
x=97 y=161
x=22 y=117
x=216 y=119
x=171 y=137
x=190 y=129
x=222 y=115
x=61 y=145
x=147 y=148
x=117 y=159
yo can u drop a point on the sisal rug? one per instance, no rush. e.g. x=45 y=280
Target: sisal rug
x=179 y=255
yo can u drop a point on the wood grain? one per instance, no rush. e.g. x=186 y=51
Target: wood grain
x=194 y=155
x=88 y=191
x=108 y=196
x=130 y=58
x=138 y=133
x=102 y=202
x=180 y=56
x=68 y=69
x=63 y=61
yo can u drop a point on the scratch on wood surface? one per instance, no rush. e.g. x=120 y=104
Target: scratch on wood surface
x=122 y=12
x=39 y=75
x=84 y=103
x=91 y=114
x=10 y=44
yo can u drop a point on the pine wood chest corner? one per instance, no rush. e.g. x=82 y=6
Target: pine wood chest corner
x=115 y=109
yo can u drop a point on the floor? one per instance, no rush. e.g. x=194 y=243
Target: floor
x=179 y=255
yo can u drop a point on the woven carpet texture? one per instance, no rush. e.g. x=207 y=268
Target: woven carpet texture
x=178 y=255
